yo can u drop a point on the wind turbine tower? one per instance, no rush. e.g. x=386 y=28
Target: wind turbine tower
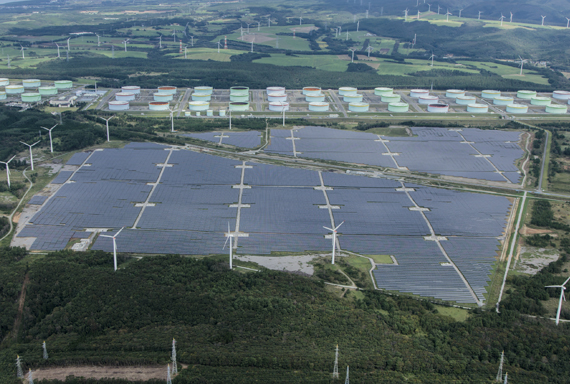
x=98 y=41
x=107 y=124
x=22 y=49
x=160 y=41
x=542 y=20
x=174 y=366
x=50 y=140
x=168 y=378
x=357 y=25
x=431 y=57
x=460 y=13
x=346 y=381
x=522 y=63
x=429 y=7
x=57 y=50
x=501 y=18
x=114 y=237
x=31 y=154
x=8 y=169
x=447 y=14
x=171 y=120
x=567 y=23
x=367 y=13
x=300 y=20
x=335 y=369
x=369 y=49
x=229 y=234
x=45 y=350
x=479 y=17
x=68 y=43
x=406 y=14
x=418 y=14
x=334 y=239
x=562 y=289
x=511 y=18
x=500 y=372
x=438 y=8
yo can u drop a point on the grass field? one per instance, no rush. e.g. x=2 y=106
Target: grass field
x=324 y=62
x=207 y=54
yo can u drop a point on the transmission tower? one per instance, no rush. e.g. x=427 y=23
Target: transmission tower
x=19 y=372
x=335 y=370
x=45 y=351
x=346 y=380
x=30 y=377
x=506 y=376
x=500 y=372
x=174 y=366
x=168 y=378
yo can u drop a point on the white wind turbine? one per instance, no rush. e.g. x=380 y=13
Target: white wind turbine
x=50 y=140
x=22 y=49
x=68 y=43
x=431 y=57
x=438 y=8
x=171 y=120
x=460 y=13
x=511 y=18
x=31 y=154
x=300 y=20
x=57 y=50
x=352 y=50
x=333 y=238
x=98 y=40
x=160 y=41
x=7 y=169
x=522 y=62
x=230 y=236
x=107 y=124
x=429 y=7
x=174 y=34
x=479 y=17
x=447 y=14
x=562 y=289
x=369 y=49
x=114 y=237
x=568 y=23
x=501 y=18
x=542 y=20
x=125 y=42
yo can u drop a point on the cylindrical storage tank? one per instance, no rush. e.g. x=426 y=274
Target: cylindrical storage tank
x=125 y=96
x=454 y=93
x=4 y=82
x=398 y=107
x=187 y=114
x=31 y=97
x=466 y=100
x=477 y=108
x=239 y=106
x=63 y=84
x=347 y=91
x=222 y=112
x=318 y=106
x=278 y=107
x=2 y=95
x=201 y=97
x=526 y=94
x=315 y=98
x=438 y=108
x=540 y=101
x=31 y=83
x=560 y=95
x=198 y=105
x=203 y=90
x=418 y=92
x=209 y=112
x=358 y=107
x=197 y=114
x=158 y=105
x=356 y=98
x=240 y=98
x=276 y=97
x=163 y=97
x=270 y=90
x=490 y=94
x=428 y=100
x=311 y=91
x=393 y=98
x=118 y=105
x=381 y=91
x=517 y=108
x=45 y=91
x=503 y=100
x=131 y=89
x=167 y=89
x=239 y=91
x=14 y=89
x=555 y=108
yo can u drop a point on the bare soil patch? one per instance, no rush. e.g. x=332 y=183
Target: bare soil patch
x=344 y=57
x=100 y=372
x=16 y=217
x=373 y=65
x=258 y=38
x=366 y=58
x=533 y=231
x=304 y=29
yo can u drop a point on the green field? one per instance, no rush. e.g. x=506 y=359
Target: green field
x=324 y=62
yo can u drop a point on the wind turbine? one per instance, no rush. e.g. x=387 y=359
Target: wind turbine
x=511 y=18
x=431 y=57
x=501 y=18
x=125 y=42
x=522 y=62
x=568 y=23
x=22 y=49
x=562 y=289
x=247 y=27
x=369 y=49
x=300 y=20
x=160 y=41
x=218 y=47
x=406 y=14
x=258 y=26
x=107 y=124
x=57 y=50
x=358 y=24
x=479 y=17
x=31 y=154
x=50 y=140
x=418 y=14
x=429 y=7
x=542 y=20
x=192 y=38
x=185 y=51
x=98 y=41
x=334 y=238
x=174 y=34
x=460 y=13
x=447 y=14
x=8 y=169
x=230 y=236
x=68 y=43
x=114 y=237
x=438 y=8
x=171 y=119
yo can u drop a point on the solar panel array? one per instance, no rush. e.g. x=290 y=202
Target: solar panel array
x=248 y=139
x=37 y=200
x=282 y=210
x=432 y=150
x=62 y=177
x=78 y=158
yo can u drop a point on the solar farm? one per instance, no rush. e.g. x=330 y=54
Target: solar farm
x=443 y=243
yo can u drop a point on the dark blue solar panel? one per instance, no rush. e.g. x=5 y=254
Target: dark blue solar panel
x=62 y=177
x=37 y=200
x=263 y=174
x=78 y=158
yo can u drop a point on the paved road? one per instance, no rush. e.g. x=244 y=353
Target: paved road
x=184 y=102
x=105 y=99
x=257 y=100
x=338 y=103
x=410 y=101
x=539 y=189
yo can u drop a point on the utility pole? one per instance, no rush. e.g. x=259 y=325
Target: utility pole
x=335 y=369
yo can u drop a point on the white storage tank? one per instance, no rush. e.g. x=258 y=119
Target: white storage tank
x=314 y=98
x=454 y=93
x=276 y=97
x=318 y=106
x=358 y=107
x=556 y=108
x=63 y=84
x=466 y=100
x=163 y=97
x=347 y=91
x=278 y=106
x=158 y=105
x=381 y=91
x=167 y=90
x=417 y=93
x=4 y=82
x=209 y=112
x=198 y=105
x=356 y=98
x=2 y=95
x=14 y=89
x=560 y=95
x=311 y=91
x=540 y=101
x=398 y=107
x=118 y=105
x=46 y=91
x=203 y=90
x=270 y=90
x=517 y=108
x=239 y=91
x=201 y=97
x=222 y=112
x=477 y=108
x=428 y=100
x=31 y=97
x=503 y=100
x=526 y=94
x=438 y=108
x=126 y=96
x=390 y=98
x=131 y=89
x=490 y=94
x=239 y=106
x=31 y=83
x=240 y=98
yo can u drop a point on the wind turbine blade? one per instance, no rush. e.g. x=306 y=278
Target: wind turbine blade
x=45 y=128
x=339 y=225
x=117 y=234
x=15 y=156
x=110 y=237
x=553 y=286
x=329 y=229
x=35 y=143
x=226 y=242
x=568 y=279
